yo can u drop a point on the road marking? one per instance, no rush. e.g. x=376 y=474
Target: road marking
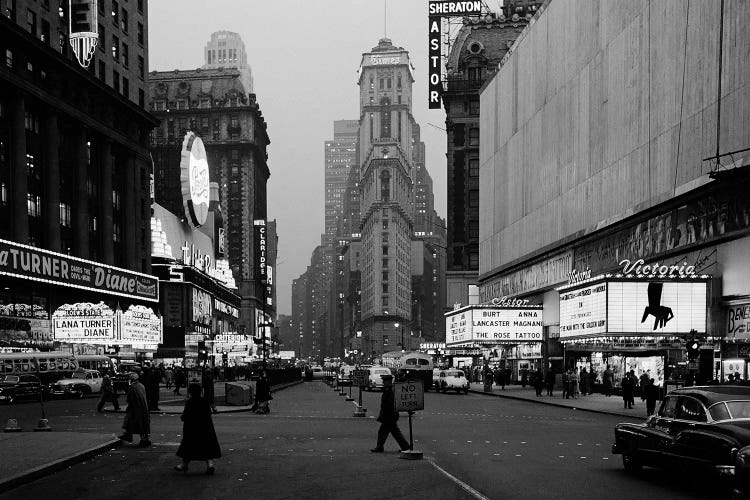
x=468 y=489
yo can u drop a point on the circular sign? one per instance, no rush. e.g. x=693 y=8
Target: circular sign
x=195 y=180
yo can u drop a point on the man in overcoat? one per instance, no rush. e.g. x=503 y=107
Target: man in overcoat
x=137 y=419
x=388 y=418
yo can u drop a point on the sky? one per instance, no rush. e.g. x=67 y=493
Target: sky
x=304 y=56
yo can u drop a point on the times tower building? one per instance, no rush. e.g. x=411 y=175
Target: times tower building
x=387 y=203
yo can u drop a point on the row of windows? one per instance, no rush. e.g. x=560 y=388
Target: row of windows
x=183 y=104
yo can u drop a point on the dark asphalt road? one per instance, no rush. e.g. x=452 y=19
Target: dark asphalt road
x=310 y=446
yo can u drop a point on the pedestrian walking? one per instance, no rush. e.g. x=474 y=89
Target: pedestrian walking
x=179 y=379
x=628 y=387
x=137 y=419
x=538 y=381
x=168 y=377
x=108 y=394
x=524 y=377
x=199 y=440
x=207 y=380
x=549 y=379
x=574 y=383
x=566 y=384
x=499 y=376
x=642 y=383
x=608 y=379
x=262 y=393
x=651 y=394
x=585 y=382
x=388 y=418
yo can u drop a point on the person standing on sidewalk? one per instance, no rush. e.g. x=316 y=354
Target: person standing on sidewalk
x=628 y=387
x=388 y=418
x=262 y=393
x=585 y=382
x=566 y=384
x=108 y=394
x=538 y=381
x=574 y=383
x=179 y=380
x=199 y=440
x=651 y=394
x=549 y=379
x=608 y=379
x=137 y=419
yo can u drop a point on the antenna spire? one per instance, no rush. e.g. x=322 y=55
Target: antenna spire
x=385 y=18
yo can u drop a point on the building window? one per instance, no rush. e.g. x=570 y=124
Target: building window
x=385 y=275
x=102 y=36
x=385 y=249
x=385 y=263
x=115 y=47
x=474 y=260
x=141 y=98
x=385 y=237
x=385 y=304
x=385 y=118
x=372 y=83
x=141 y=67
x=385 y=223
x=181 y=103
x=474 y=198
x=115 y=13
x=125 y=55
x=9 y=58
x=140 y=6
x=102 y=71
x=64 y=214
x=398 y=81
x=474 y=229
x=474 y=167
x=115 y=200
x=45 y=31
x=124 y=20
x=204 y=103
x=116 y=232
x=34 y=203
x=385 y=287
x=474 y=107
x=160 y=105
x=31 y=21
x=385 y=185
x=473 y=137
x=140 y=33
x=388 y=83
x=126 y=87
x=116 y=80
x=381 y=83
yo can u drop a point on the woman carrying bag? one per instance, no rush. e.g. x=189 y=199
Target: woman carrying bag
x=199 y=440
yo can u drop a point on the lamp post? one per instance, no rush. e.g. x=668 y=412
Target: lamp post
x=402 y=336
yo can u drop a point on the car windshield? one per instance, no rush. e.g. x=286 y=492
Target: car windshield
x=81 y=375
x=454 y=373
x=10 y=378
x=381 y=371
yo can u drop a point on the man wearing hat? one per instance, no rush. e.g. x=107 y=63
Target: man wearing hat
x=137 y=419
x=388 y=418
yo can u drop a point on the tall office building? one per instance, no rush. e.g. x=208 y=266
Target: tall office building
x=387 y=206
x=227 y=50
x=340 y=159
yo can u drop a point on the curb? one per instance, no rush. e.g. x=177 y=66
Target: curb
x=46 y=469
x=549 y=403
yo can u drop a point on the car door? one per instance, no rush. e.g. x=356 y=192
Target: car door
x=697 y=443
x=655 y=438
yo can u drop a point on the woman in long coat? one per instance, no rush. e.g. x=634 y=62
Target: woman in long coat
x=262 y=393
x=137 y=419
x=199 y=440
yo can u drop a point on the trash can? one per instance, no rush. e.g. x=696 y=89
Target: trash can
x=238 y=394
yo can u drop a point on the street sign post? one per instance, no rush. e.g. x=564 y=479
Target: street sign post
x=409 y=397
x=359 y=378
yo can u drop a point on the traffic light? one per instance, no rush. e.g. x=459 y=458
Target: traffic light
x=202 y=351
x=693 y=349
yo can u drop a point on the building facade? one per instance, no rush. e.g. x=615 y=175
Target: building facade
x=74 y=176
x=611 y=191
x=215 y=105
x=226 y=49
x=340 y=158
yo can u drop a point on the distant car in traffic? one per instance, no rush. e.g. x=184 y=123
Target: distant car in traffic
x=452 y=380
x=375 y=377
x=121 y=379
x=344 y=374
x=318 y=373
x=699 y=428
x=81 y=383
x=14 y=387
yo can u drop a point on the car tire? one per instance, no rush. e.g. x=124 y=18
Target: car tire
x=630 y=463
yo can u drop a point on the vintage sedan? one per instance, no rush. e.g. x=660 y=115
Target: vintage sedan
x=15 y=387
x=452 y=380
x=78 y=385
x=704 y=427
x=375 y=376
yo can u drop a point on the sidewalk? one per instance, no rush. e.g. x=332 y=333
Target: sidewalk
x=598 y=403
x=29 y=455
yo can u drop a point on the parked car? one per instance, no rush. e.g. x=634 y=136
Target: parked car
x=318 y=373
x=375 y=377
x=705 y=427
x=121 y=380
x=13 y=387
x=81 y=383
x=453 y=380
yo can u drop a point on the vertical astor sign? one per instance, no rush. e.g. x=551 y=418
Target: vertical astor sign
x=435 y=87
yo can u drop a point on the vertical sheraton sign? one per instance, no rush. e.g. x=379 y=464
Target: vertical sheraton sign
x=437 y=10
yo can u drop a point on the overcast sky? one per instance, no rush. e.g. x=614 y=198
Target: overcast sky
x=304 y=56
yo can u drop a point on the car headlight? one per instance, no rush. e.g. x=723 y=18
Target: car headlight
x=743 y=457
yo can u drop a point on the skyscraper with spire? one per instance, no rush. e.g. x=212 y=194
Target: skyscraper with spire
x=387 y=187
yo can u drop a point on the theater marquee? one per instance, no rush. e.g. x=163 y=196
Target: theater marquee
x=493 y=325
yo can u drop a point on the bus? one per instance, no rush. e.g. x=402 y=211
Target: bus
x=49 y=366
x=409 y=365
x=103 y=364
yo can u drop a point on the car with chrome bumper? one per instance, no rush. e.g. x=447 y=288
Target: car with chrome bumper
x=704 y=428
x=452 y=380
x=375 y=376
x=81 y=383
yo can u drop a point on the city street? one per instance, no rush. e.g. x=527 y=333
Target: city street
x=310 y=446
